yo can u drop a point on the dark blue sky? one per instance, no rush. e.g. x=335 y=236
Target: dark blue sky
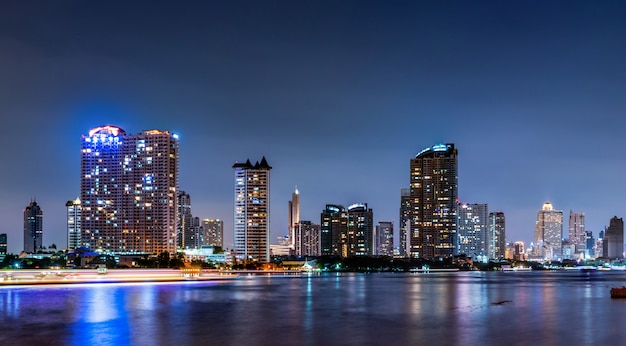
x=338 y=95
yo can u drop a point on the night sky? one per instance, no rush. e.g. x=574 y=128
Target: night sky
x=337 y=95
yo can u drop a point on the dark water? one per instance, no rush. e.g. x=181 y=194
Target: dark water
x=470 y=308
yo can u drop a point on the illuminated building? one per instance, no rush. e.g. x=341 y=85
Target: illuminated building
x=577 y=233
x=472 y=230
x=33 y=228
x=252 y=210
x=496 y=235
x=549 y=233
x=518 y=252
x=213 y=232
x=613 y=242
x=3 y=243
x=405 y=221
x=128 y=191
x=384 y=238
x=347 y=232
x=307 y=239
x=73 y=224
x=434 y=185
x=589 y=245
x=187 y=236
x=333 y=225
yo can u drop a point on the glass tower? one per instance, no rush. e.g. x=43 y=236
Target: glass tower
x=33 y=228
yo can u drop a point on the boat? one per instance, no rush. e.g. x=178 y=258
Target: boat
x=618 y=292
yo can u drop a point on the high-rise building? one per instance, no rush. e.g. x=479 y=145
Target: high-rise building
x=384 y=238
x=73 y=224
x=213 y=232
x=294 y=216
x=577 y=233
x=518 y=252
x=347 y=232
x=405 y=221
x=613 y=242
x=3 y=243
x=549 y=233
x=307 y=235
x=252 y=210
x=434 y=185
x=496 y=235
x=472 y=229
x=590 y=243
x=333 y=225
x=186 y=238
x=33 y=228
x=128 y=191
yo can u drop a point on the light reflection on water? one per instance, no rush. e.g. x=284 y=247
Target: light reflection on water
x=333 y=309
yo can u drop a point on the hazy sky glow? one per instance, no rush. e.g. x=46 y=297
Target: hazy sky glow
x=337 y=95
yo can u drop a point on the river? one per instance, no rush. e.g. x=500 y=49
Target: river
x=463 y=308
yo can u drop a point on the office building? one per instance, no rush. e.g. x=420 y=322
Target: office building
x=405 y=222
x=496 y=235
x=577 y=233
x=293 y=216
x=307 y=239
x=549 y=233
x=33 y=228
x=213 y=230
x=186 y=237
x=3 y=243
x=384 y=238
x=590 y=243
x=433 y=198
x=128 y=194
x=472 y=230
x=613 y=242
x=252 y=211
x=73 y=224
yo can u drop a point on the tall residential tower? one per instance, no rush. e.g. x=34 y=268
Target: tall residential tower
x=549 y=233
x=128 y=186
x=252 y=211
x=33 y=228
x=434 y=185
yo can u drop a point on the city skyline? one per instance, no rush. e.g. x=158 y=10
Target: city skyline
x=337 y=96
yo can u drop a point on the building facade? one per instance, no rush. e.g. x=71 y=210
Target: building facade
x=433 y=200
x=252 y=211
x=33 y=228
x=384 y=238
x=307 y=239
x=347 y=232
x=496 y=235
x=472 y=229
x=186 y=234
x=73 y=224
x=549 y=233
x=213 y=232
x=333 y=226
x=128 y=191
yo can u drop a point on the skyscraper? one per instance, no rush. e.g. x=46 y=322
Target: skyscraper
x=73 y=224
x=496 y=235
x=384 y=238
x=252 y=210
x=434 y=185
x=549 y=232
x=472 y=229
x=33 y=228
x=128 y=191
x=614 y=239
x=577 y=235
x=294 y=216
x=405 y=221
x=333 y=224
x=213 y=232
x=185 y=235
